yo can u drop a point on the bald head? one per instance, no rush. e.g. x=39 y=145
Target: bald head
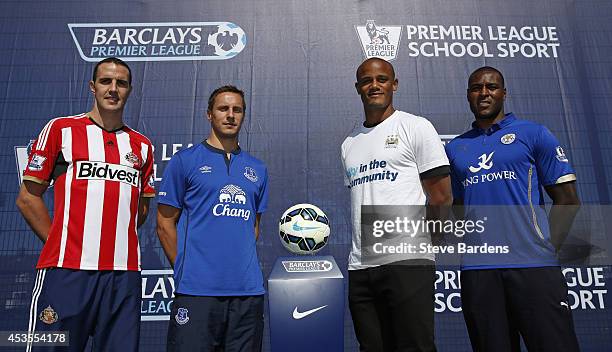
x=486 y=69
x=371 y=61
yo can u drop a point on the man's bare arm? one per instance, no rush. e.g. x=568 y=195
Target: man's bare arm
x=33 y=208
x=167 y=218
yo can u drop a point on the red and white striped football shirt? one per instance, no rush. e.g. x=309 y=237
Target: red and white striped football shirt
x=99 y=179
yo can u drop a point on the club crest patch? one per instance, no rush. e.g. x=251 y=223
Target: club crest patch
x=250 y=174
x=392 y=141
x=132 y=158
x=182 y=316
x=48 y=315
x=508 y=138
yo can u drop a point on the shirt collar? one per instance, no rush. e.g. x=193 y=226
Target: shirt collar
x=505 y=122
x=220 y=151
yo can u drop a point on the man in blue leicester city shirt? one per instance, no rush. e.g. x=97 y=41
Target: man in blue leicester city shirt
x=210 y=202
x=506 y=162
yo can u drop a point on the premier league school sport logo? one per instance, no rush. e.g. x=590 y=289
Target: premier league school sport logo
x=172 y=41
x=231 y=201
x=379 y=40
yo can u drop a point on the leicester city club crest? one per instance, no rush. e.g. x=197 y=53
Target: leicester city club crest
x=508 y=138
x=182 y=316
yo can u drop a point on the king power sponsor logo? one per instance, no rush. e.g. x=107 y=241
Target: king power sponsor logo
x=173 y=41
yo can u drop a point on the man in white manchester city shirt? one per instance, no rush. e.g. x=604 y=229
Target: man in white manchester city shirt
x=392 y=304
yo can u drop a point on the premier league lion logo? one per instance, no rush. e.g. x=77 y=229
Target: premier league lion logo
x=377 y=36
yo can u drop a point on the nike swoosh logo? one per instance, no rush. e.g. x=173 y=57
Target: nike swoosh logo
x=297 y=315
x=297 y=227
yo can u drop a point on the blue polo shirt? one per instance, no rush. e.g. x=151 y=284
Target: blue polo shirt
x=219 y=198
x=500 y=173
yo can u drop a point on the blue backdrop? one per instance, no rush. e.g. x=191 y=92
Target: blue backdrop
x=296 y=61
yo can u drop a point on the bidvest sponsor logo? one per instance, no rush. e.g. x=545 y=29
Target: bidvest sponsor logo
x=97 y=170
x=230 y=199
x=307 y=266
x=172 y=41
x=379 y=40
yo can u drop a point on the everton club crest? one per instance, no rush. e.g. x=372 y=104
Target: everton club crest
x=182 y=316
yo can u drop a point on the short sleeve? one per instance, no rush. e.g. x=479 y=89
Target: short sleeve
x=262 y=200
x=552 y=164
x=148 y=186
x=45 y=151
x=345 y=172
x=428 y=148
x=456 y=185
x=173 y=186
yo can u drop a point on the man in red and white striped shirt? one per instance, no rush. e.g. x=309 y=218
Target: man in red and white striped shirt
x=88 y=278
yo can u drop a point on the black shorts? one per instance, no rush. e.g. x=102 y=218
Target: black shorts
x=205 y=323
x=501 y=304
x=392 y=306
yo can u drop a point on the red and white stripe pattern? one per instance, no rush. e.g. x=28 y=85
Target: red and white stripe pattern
x=94 y=225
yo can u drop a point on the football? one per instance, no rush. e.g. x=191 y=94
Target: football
x=303 y=229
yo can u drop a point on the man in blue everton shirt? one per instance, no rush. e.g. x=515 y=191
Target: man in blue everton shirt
x=210 y=202
x=505 y=162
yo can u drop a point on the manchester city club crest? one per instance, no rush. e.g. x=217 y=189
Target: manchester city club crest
x=182 y=316
x=508 y=138
x=48 y=315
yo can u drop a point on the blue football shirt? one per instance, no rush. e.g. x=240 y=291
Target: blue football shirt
x=500 y=173
x=219 y=199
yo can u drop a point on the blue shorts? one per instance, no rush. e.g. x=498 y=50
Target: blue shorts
x=101 y=304
x=205 y=323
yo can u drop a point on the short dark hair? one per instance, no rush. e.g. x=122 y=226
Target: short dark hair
x=112 y=60
x=225 y=89
x=487 y=69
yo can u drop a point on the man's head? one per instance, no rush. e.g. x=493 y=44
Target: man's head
x=486 y=93
x=226 y=109
x=111 y=84
x=376 y=83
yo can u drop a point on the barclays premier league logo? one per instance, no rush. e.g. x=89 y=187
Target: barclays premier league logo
x=379 y=40
x=158 y=41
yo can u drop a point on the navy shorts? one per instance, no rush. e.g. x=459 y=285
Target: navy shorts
x=205 y=323
x=499 y=305
x=101 y=304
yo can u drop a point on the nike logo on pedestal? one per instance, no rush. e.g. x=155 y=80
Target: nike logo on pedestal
x=297 y=315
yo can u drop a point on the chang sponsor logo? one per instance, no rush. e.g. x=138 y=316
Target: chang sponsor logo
x=173 y=41
x=231 y=200
x=97 y=170
x=379 y=40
